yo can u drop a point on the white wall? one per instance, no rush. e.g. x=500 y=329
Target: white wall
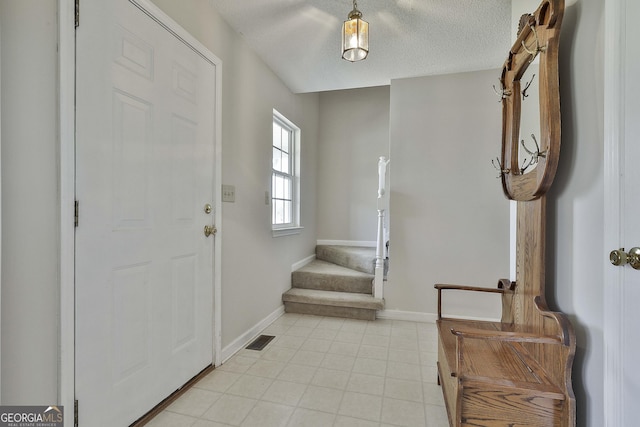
x=256 y=267
x=30 y=286
x=449 y=217
x=354 y=133
x=575 y=203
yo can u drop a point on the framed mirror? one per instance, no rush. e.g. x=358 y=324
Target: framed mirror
x=531 y=105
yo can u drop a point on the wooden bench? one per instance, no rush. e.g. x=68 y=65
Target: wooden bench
x=500 y=373
x=515 y=372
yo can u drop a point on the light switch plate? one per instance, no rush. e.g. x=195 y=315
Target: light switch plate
x=229 y=193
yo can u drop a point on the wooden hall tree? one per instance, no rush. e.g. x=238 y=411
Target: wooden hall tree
x=517 y=372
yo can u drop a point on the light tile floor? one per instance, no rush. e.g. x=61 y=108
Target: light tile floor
x=322 y=371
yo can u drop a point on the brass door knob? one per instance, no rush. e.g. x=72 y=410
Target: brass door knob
x=620 y=257
x=210 y=230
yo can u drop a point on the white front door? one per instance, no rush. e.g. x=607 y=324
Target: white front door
x=622 y=211
x=145 y=152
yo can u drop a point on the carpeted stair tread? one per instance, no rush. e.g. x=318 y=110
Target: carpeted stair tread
x=336 y=299
x=353 y=257
x=323 y=275
x=324 y=267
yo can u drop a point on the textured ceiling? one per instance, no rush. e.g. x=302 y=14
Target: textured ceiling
x=300 y=39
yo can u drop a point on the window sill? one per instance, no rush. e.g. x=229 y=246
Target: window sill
x=279 y=232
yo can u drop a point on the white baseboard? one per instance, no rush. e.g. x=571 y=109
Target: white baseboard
x=243 y=340
x=414 y=316
x=360 y=243
x=298 y=265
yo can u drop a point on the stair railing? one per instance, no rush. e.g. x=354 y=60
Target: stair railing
x=383 y=199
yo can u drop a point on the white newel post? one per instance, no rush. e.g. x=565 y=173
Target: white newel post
x=379 y=272
x=380 y=252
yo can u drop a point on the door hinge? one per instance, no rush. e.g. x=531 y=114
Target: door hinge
x=77 y=13
x=75 y=413
x=76 y=210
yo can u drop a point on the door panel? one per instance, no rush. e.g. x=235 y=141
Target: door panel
x=131 y=321
x=145 y=170
x=131 y=146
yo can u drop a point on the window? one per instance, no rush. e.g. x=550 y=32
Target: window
x=285 y=176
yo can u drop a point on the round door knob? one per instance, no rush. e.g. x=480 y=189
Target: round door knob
x=618 y=257
x=210 y=230
x=634 y=258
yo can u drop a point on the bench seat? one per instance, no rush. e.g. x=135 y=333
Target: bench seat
x=496 y=381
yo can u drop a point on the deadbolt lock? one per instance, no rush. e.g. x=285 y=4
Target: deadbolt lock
x=210 y=230
x=620 y=257
x=207 y=208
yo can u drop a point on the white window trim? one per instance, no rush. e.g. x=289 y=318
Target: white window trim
x=289 y=231
x=295 y=226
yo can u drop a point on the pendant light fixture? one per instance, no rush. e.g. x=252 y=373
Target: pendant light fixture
x=355 y=36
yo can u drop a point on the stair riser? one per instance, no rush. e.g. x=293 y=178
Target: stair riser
x=326 y=310
x=307 y=280
x=365 y=264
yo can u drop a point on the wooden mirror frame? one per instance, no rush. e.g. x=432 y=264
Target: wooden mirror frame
x=538 y=37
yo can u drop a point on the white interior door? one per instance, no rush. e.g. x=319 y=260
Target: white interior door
x=145 y=150
x=622 y=210
x=630 y=235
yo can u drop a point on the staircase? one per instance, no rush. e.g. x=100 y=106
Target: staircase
x=338 y=283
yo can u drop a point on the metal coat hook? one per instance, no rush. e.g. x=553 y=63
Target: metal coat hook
x=527 y=163
x=498 y=165
x=538 y=48
x=503 y=92
x=526 y=88
x=535 y=154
